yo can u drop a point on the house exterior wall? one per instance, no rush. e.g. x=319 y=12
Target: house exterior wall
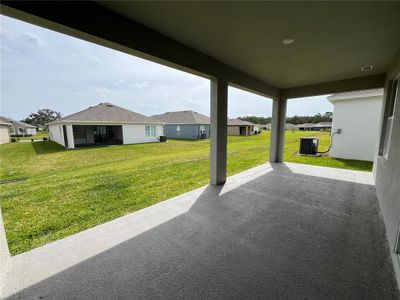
x=135 y=133
x=233 y=130
x=56 y=134
x=31 y=131
x=4 y=134
x=15 y=130
x=187 y=131
x=359 y=120
x=387 y=172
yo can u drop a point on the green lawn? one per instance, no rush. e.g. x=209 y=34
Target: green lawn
x=67 y=191
x=39 y=136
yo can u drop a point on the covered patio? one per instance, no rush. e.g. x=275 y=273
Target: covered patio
x=277 y=231
x=89 y=135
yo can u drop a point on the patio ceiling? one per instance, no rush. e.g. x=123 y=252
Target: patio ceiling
x=333 y=39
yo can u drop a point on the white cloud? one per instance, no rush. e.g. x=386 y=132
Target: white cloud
x=32 y=39
x=141 y=84
x=77 y=94
x=118 y=82
x=94 y=58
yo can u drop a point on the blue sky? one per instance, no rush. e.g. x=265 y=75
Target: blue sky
x=45 y=69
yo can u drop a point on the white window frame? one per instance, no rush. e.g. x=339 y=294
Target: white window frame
x=150 y=131
x=393 y=95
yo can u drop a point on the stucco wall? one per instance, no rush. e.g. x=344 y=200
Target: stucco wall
x=188 y=131
x=56 y=134
x=233 y=130
x=359 y=120
x=31 y=131
x=387 y=175
x=133 y=134
x=4 y=134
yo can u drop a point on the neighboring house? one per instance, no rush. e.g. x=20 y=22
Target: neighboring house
x=305 y=126
x=19 y=128
x=4 y=132
x=41 y=127
x=323 y=126
x=315 y=127
x=186 y=124
x=240 y=127
x=267 y=126
x=104 y=124
x=290 y=126
x=356 y=115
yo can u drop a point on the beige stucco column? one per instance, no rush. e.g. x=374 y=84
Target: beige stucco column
x=218 y=136
x=278 y=130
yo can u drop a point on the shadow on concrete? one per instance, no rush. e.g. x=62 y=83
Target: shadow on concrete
x=282 y=235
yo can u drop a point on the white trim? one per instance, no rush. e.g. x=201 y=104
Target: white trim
x=352 y=96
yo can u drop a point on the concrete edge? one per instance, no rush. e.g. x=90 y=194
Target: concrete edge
x=4 y=255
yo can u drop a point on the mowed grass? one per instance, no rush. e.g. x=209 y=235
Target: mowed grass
x=67 y=191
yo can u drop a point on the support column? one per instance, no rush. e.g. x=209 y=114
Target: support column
x=277 y=130
x=218 y=136
x=70 y=137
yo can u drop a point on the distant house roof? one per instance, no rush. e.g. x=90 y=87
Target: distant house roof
x=290 y=125
x=182 y=117
x=2 y=123
x=305 y=125
x=15 y=123
x=311 y=125
x=238 y=122
x=356 y=94
x=323 y=124
x=107 y=113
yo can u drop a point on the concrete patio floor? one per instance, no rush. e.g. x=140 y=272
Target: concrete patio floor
x=275 y=232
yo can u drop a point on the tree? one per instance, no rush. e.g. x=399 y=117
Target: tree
x=42 y=117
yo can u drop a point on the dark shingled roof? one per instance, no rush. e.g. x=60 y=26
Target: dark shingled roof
x=183 y=117
x=107 y=112
x=238 y=122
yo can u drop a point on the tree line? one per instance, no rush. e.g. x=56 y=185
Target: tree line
x=42 y=117
x=326 y=117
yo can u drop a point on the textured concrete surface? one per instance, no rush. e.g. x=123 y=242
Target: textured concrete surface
x=282 y=231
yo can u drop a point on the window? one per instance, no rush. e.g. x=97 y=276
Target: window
x=392 y=96
x=150 y=131
x=202 y=128
x=178 y=130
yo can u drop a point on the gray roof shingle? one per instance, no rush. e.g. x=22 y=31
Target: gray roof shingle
x=182 y=117
x=16 y=123
x=107 y=112
x=238 y=122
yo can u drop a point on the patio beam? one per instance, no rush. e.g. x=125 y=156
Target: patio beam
x=115 y=31
x=277 y=139
x=218 y=136
x=347 y=85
